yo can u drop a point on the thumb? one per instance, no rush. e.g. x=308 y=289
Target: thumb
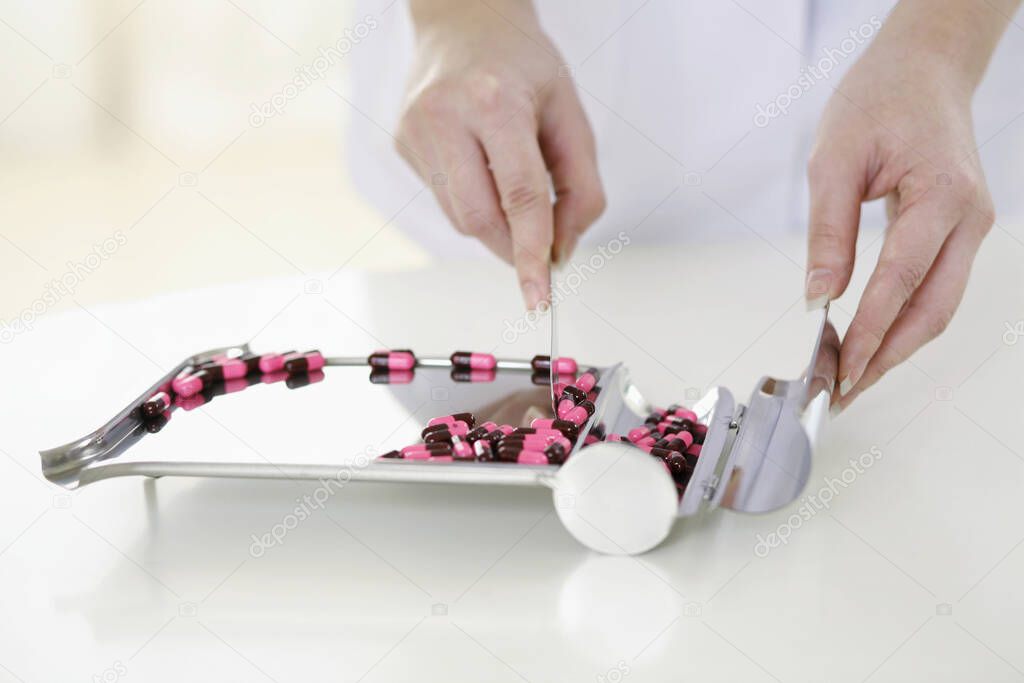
x=837 y=187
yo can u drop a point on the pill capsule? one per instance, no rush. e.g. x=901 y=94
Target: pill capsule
x=638 y=433
x=694 y=449
x=443 y=427
x=574 y=394
x=157 y=422
x=562 y=365
x=391 y=377
x=391 y=455
x=612 y=436
x=468 y=418
x=433 y=447
x=417 y=455
x=564 y=406
x=683 y=413
x=699 y=432
x=480 y=432
x=156 y=404
x=590 y=440
x=586 y=382
x=392 y=360
x=646 y=441
x=476 y=361
x=462 y=450
x=471 y=375
x=272 y=362
x=532 y=458
x=305 y=362
x=482 y=450
x=558 y=388
x=193 y=384
x=534 y=440
x=678 y=466
x=581 y=413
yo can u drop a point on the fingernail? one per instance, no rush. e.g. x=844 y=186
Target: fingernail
x=531 y=295
x=835 y=410
x=817 y=288
x=851 y=379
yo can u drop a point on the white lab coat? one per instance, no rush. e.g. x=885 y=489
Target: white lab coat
x=678 y=93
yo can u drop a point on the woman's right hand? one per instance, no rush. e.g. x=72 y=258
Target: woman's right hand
x=491 y=126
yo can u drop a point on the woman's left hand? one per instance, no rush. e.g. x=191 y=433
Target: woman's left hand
x=898 y=126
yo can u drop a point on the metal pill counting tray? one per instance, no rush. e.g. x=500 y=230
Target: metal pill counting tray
x=611 y=496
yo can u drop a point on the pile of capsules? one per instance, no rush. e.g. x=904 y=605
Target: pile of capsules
x=673 y=435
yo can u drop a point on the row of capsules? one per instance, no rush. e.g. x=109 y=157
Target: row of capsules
x=197 y=385
x=547 y=441
x=398 y=366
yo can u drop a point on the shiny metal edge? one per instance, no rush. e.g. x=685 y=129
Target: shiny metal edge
x=64 y=465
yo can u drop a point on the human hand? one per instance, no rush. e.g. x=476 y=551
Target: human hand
x=899 y=126
x=487 y=109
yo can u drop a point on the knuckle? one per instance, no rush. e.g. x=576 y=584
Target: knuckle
x=522 y=196
x=594 y=204
x=434 y=100
x=904 y=276
x=473 y=222
x=937 y=322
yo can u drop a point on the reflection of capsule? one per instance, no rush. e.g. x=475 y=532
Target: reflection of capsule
x=304 y=362
x=274 y=377
x=156 y=404
x=392 y=360
x=476 y=361
x=541 y=378
x=469 y=375
x=304 y=380
x=189 y=402
x=378 y=376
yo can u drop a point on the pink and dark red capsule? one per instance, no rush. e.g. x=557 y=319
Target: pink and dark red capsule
x=401 y=359
x=473 y=360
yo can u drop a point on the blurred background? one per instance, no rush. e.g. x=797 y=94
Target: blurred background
x=121 y=115
x=205 y=142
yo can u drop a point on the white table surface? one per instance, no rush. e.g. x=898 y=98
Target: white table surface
x=914 y=573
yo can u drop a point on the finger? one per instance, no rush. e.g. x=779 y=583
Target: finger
x=417 y=148
x=567 y=143
x=929 y=310
x=837 y=182
x=524 y=188
x=471 y=191
x=911 y=245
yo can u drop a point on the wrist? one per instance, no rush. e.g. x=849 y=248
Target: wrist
x=951 y=41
